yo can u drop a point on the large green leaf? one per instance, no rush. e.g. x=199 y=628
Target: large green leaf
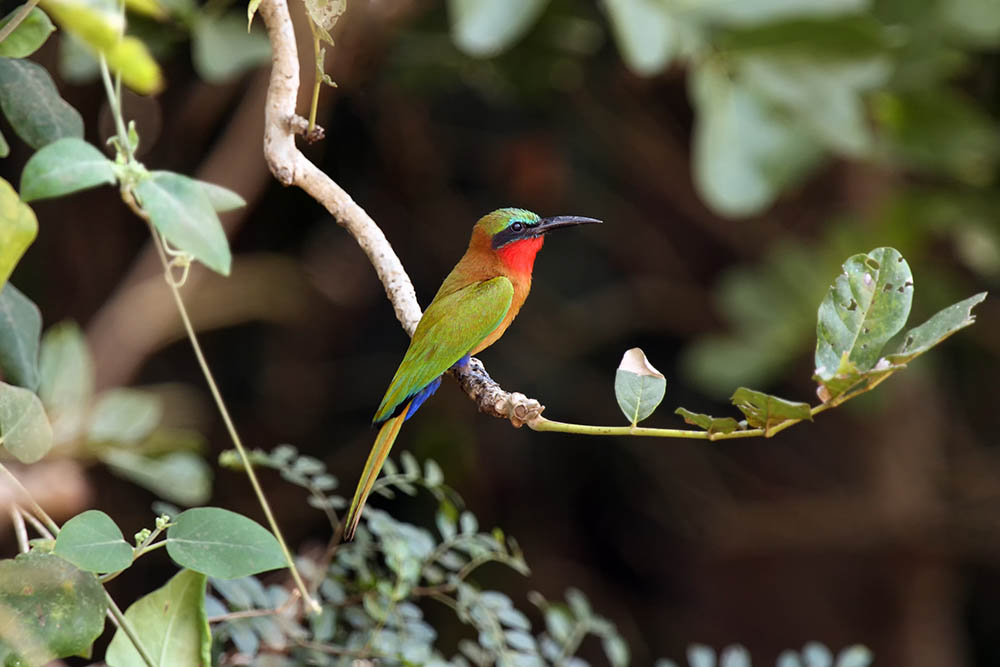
x=919 y=339
x=222 y=544
x=29 y=99
x=48 y=609
x=179 y=477
x=766 y=411
x=30 y=34
x=93 y=542
x=67 y=369
x=125 y=415
x=485 y=28
x=221 y=47
x=99 y=25
x=18 y=227
x=24 y=426
x=639 y=387
x=171 y=625
x=65 y=166
x=865 y=306
x=744 y=152
x=20 y=329
x=181 y=210
x=645 y=32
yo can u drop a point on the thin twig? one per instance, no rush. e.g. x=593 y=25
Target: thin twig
x=17 y=518
x=37 y=525
x=35 y=507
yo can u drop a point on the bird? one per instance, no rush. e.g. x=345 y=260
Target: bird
x=472 y=309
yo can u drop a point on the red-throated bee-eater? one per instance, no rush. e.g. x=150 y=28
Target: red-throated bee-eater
x=472 y=309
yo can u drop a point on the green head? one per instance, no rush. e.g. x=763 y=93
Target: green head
x=509 y=225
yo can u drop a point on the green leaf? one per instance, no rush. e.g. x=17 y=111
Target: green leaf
x=99 y=26
x=48 y=608
x=707 y=422
x=92 y=541
x=182 y=211
x=645 y=32
x=179 y=477
x=766 y=411
x=29 y=99
x=222 y=199
x=744 y=152
x=65 y=166
x=222 y=49
x=28 y=36
x=20 y=330
x=729 y=12
x=485 y=28
x=171 y=625
x=4 y=146
x=24 y=427
x=617 y=651
x=67 y=369
x=865 y=306
x=125 y=415
x=639 y=387
x=325 y=14
x=943 y=324
x=18 y=228
x=975 y=21
x=222 y=544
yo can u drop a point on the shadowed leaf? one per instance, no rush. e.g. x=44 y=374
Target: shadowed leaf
x=33 y=106
x=20 y=330
x=766 y=411
x=707 y=422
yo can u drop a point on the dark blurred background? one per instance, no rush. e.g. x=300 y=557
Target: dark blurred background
x=730 y=194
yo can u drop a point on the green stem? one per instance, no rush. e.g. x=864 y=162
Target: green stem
x=17 y=20
x=224 y=412
x=114 y=101
x=318 y=82
x=543 y=424
x=129 y=631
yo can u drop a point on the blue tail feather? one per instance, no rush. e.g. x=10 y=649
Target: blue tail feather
x=423 y=395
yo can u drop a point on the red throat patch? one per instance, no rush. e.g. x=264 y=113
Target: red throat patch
x=519 y=256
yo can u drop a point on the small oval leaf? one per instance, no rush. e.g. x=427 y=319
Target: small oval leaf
x=24 y=426
x=28 y=36
x=639 y=387
x=222 y=544
x=64 y=166
x=93 y=542
x=33 y=106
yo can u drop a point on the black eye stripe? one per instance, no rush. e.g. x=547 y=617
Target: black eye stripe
x=516 y=230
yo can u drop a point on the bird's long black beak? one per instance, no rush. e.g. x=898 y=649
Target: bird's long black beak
x=559 y=221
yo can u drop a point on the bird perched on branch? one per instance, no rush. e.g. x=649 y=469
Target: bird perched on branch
x=472 y=309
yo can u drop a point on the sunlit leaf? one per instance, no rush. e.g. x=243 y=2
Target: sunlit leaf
x=49 y=609
x=132 y=59
x=222 y=544
x=865 y=306
x=484 y=28
x=24 y=426
x=93 y=542
x=707 y=422
x=251 y=10
x=766 y=411
x=33 y=106
x=28 y=36
x=181 y=210
x=18 y=227
x=65 y=166
x=855 y=656
x=171 y=625
x=20 y=330
x=639 y=387
x=919 y=339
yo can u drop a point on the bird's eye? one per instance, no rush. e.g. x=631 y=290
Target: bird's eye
x=517 y=227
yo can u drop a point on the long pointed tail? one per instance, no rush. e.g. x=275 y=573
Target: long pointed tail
x=380 y=450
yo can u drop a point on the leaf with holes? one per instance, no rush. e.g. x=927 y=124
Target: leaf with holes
x=65 y=166
x=222 y=544
x=182 y=211
x=20 y=330
x=24 y=427
x=766 y=411
x=639 y=387
x=865 y=306
x=49 y=609
x=946 y=322
x=711 y=424
x=93 y=542
x=170 y=623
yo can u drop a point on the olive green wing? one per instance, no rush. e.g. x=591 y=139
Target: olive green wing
x=451 y=327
